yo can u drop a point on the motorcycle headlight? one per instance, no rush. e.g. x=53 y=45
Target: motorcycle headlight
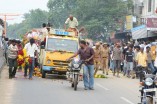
x=48 y=61
x=76 y=65
x=148 y=81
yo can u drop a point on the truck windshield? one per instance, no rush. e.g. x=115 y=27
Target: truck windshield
x=62 y=45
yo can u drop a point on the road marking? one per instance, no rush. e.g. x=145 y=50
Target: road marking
x=102 y=86
x=126 y=100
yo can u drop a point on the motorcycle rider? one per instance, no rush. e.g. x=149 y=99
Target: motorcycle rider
x=87 y=54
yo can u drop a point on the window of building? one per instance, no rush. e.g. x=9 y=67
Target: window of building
x=140 y=10
x=149 y=5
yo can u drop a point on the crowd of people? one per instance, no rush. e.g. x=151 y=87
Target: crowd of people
x=12 y=48
x=124 y=57
x=119 y=57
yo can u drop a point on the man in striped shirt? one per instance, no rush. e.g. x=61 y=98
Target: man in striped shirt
x=12 y=59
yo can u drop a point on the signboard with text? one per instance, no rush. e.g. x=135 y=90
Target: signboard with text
x=152 y=22
x=129 y=22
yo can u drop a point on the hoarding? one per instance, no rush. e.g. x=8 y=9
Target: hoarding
x=151 y=22
x=129 y=22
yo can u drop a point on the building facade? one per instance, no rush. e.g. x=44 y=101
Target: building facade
x=145 y=11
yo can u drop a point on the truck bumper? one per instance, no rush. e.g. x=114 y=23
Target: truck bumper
x=51 y=68
x=47 y=68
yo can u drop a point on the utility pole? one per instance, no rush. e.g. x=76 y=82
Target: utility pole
x=5 y=20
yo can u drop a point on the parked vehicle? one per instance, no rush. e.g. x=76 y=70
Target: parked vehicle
x=59 y=45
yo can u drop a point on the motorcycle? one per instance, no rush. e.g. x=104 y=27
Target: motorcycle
x=74 y=75
x=148 y=85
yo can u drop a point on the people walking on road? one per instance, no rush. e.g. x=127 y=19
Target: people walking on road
x=111 y=59
x=5 y=47
x=153 y=49
x=73 y=24
x=105 y=58
x=31 y=49
x=117 y=58
x=149 y=60
x=20 y=50
x=142 y=58
x=12 y=59
x=129 y=57
x=87 y=54
x=97 y=56
x=125 y=49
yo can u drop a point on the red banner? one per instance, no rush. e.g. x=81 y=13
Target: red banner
x=152 y=22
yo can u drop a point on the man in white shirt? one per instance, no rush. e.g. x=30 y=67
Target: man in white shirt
x=44 y=32
x=31 y=49
x=73 y=24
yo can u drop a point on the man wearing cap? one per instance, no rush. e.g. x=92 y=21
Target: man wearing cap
x=97 y=60
x=73 y=24
x=117 y=59
x=104 y=58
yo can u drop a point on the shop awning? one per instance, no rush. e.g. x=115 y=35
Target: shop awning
x=139 y=32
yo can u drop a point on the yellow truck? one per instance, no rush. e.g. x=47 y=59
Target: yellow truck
x=59 y=46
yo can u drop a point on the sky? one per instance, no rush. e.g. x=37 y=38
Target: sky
x=20 y=7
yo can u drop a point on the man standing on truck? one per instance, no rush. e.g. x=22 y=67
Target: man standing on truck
x=86 y=54
x=73 y=24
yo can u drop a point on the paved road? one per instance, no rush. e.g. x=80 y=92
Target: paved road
x=52 y=91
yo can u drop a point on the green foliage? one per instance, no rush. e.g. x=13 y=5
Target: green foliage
x=94 y=15
x=33 y=19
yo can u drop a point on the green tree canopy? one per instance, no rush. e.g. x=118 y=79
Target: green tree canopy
x=97 y=16
x=33 y=19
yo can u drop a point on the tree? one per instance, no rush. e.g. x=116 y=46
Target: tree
x=33 y=19
x=97 y=16
x=94 y=15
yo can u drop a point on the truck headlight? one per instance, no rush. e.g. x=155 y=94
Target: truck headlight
x=48 y=61
x=148 y=81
